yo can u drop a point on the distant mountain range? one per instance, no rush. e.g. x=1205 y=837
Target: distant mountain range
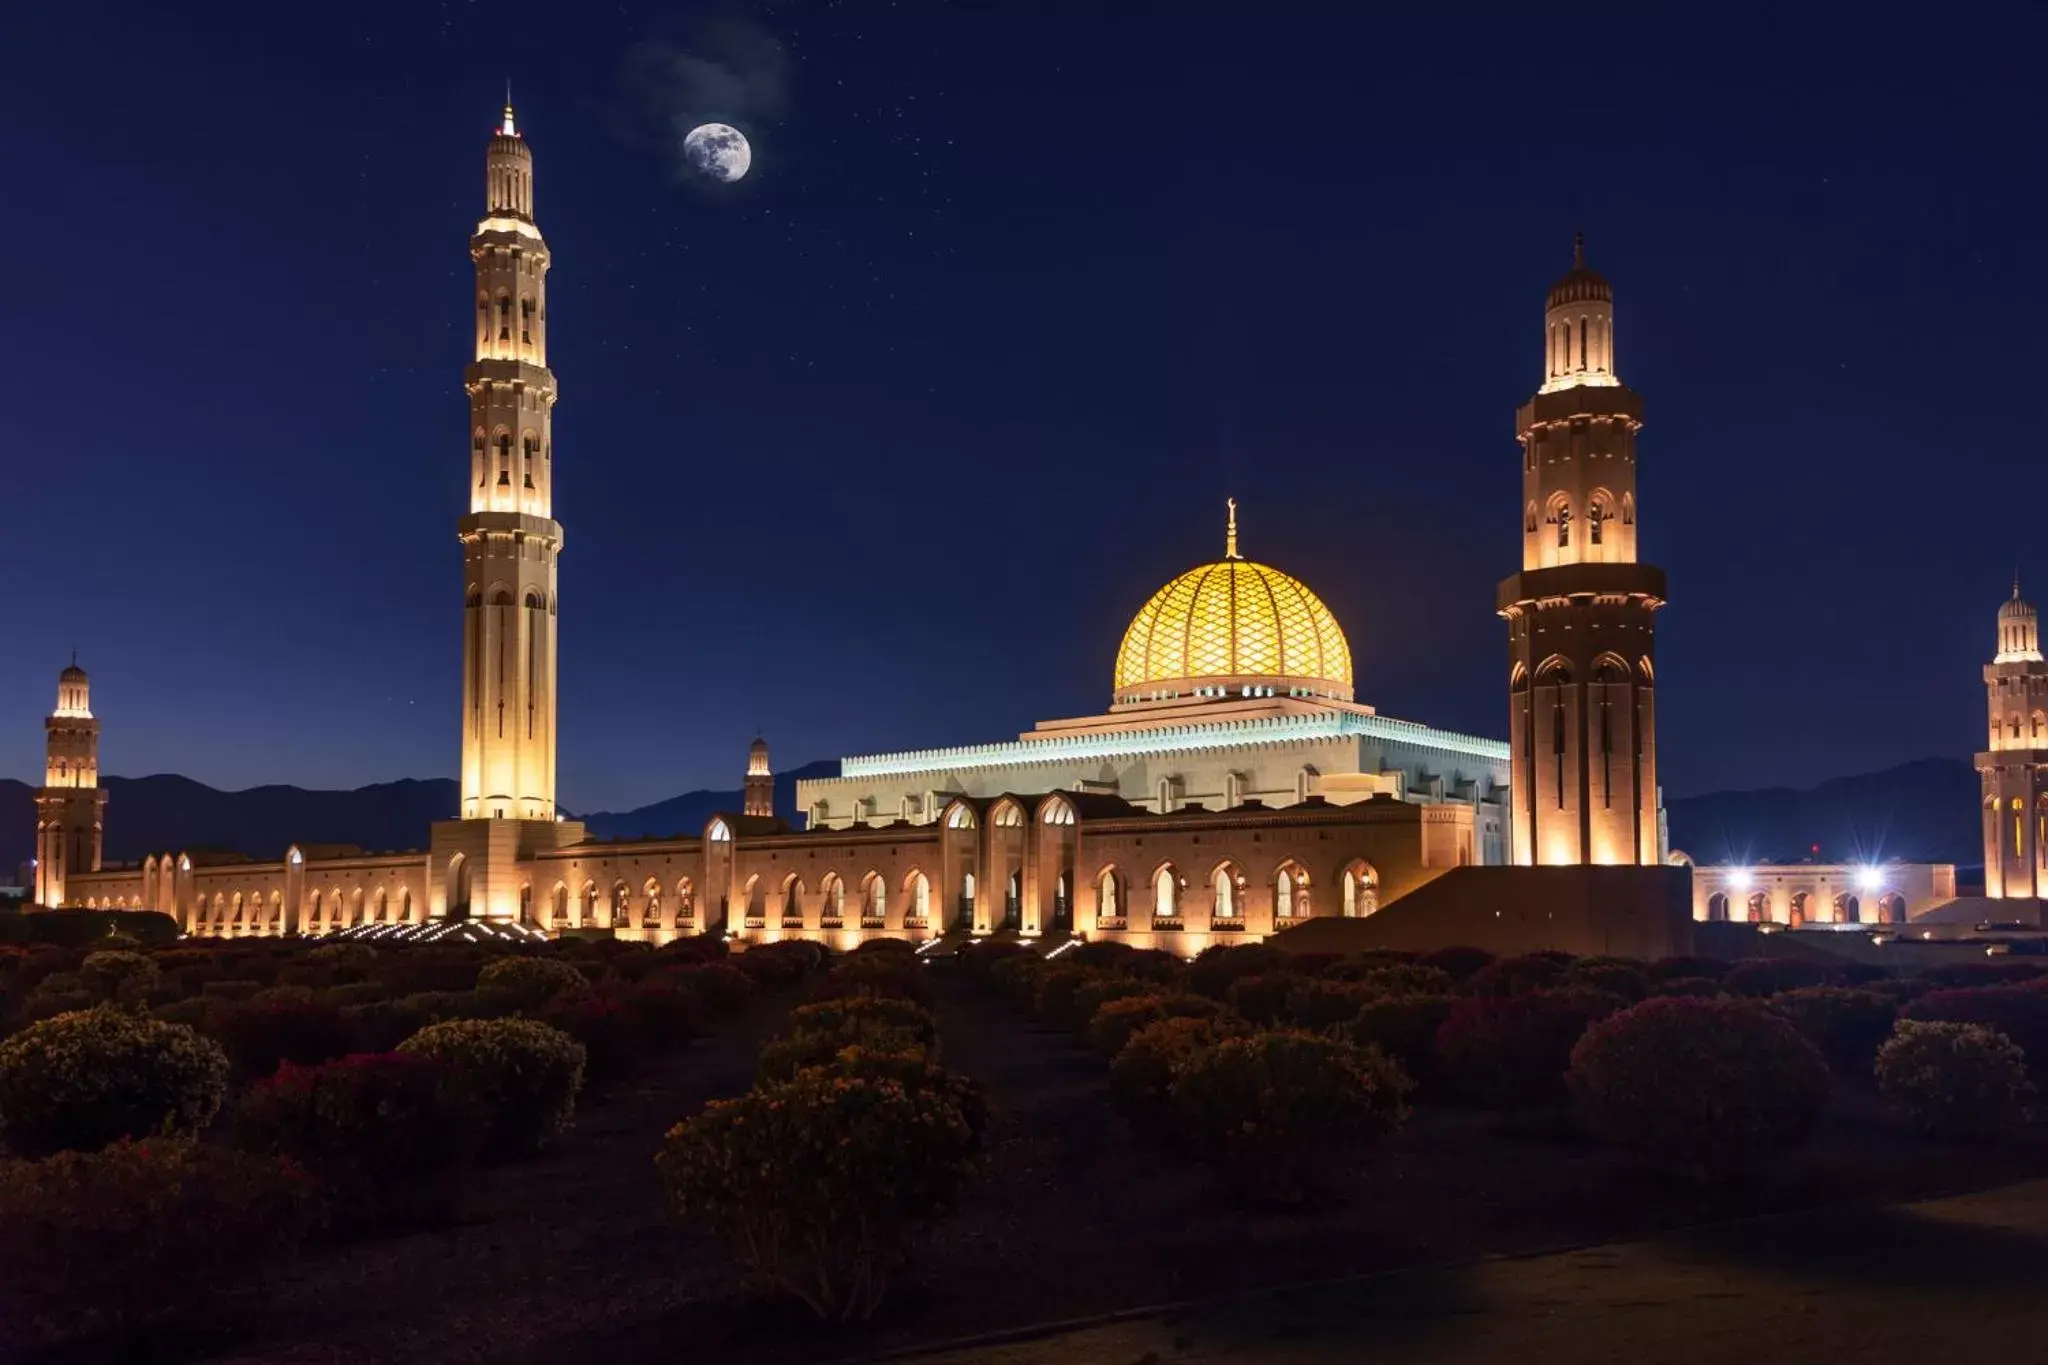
x=148 y=815
x=1923 y=811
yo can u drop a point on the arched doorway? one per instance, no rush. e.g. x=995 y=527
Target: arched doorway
x=1759 y=907
x=1801 y=907
x=458 y=887
x=1891 y=908
x=1848 y=909
x=1717 y=907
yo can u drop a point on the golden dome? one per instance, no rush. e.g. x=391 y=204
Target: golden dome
x=1233 y=625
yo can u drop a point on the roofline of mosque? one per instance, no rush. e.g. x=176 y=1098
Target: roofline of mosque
x=1171 y=739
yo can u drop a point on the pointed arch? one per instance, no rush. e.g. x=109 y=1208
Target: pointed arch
x=1165 y=885
x=1291 y=891
x=1359 y=885
x=1226 y=891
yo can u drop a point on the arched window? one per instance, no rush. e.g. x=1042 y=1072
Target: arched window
x=561 y=904
x=1717 y=907
x=622 y=904
x=587 y=911
x=1361 y=890
x=1290 y=891
x=960 y=817
x=1529 y=517
x=1224 y=882
x=1166 y=893
x=834 y=896
x=873 y=899
x=920 y=897
x=1560 y=516
x=1108 y=904
x=686 y=899
x=1057 y=811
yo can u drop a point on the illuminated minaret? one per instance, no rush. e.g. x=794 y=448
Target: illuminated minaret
x=759 y=797
x=510 y=539
x=71 y=809
x=1581 y=670
x=2014 y=768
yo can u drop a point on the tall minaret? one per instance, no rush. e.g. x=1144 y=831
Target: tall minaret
x=2015 y=766
x=510 y=539
x=759 y=795
x=71 y=810
x=1583 y=718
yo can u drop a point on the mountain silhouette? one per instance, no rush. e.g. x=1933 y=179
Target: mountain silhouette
x=1924 y=811
x=166 y=812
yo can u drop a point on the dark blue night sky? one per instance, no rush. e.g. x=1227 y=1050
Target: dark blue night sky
x=881 y=447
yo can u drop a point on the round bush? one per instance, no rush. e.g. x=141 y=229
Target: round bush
x=1405 y=1027
x=1319 y=1005
x=1509 y=1053
x=527 y=983
x=1764 y=976
x=1262 y=999
x=1697 y=987
x=389 y=1136
x=110 y=973
x=524 y=1075
x=143 y=1234
x=1518 y=975
x=1216 y=969
x=347 y=954
x=2019 y=1012
x=1141 y=1076
x=821 y=1185
x=1954 y=1080
x=608 y=1028
x=780 y=1059
x=80 y=1081
x=836 y=1017
x=1095 y=994
x=260 y=1033
x=723 y=989
x=669 y=1016
x=902 y=978
x=1848 y=1026
x=1705 y=1088
x=1617 y=976
x=1118 y=1021
x=1407 y=979
x=1284 y=1114
x=1458 y=963
x=1058 y=986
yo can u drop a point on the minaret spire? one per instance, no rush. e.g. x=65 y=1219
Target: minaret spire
x=1578 y=238
x=1230 y=532
x=508 y=128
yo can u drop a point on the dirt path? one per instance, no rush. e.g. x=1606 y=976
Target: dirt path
x=574 y=1237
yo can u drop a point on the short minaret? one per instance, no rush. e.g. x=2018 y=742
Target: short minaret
x=2014 y=768
x=71 y=810
x=510 y=540
x=1581 y=671
x=759 y=798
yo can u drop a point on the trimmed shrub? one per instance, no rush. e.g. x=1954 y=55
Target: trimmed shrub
x=236 y=989
x=1704 y=1088
x=526 y=984
x=1246 y=1101
x=45 y=1003
x=143 y=1234
x=1460 y=964
x=1617 y=976
x=838 y=1017
x=1095 y=994
x=1405 y=1027
x=1694 y=987
x=1518 y=975
x=1951 y=975
x=430 y=968
x=390 y=1137
x=382 y=1025
x=1956 y=1080
x=1848 y=1026
x=80 y=1081
x=669 y=1016
x=891 y=975
x=191 y=1011
x=258 y=1035
x=772 y=966
x=1118 y=1021
x=1407 y=979
x=1141 y=1077
x=353 y=993
x=1672 y=968
x=2019 y=1012
x=524 y=1074
x=820 y=1186
x=1765 y=976
x=606 y=1026
x=781 y=1059
x=110 y=973
x=1018 y=978
x=1057 y=988
x=1262 y=999
x=723 y=989
x=347 y=955
x=1317 y=1005
x=1510 y=1053
x=1216 y=969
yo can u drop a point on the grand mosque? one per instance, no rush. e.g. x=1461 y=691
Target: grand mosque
x=1232 y=785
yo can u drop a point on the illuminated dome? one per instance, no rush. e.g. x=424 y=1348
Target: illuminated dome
x=1233 y=628
x=1581 y=284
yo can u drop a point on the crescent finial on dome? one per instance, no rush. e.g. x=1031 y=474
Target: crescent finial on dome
x=1230 y=532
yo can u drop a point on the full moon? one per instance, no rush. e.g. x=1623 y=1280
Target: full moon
x=718 y=150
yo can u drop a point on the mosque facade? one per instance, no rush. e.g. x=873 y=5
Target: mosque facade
x=1232 y=785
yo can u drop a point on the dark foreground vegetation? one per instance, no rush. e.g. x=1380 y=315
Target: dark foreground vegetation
x=281 y=1151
